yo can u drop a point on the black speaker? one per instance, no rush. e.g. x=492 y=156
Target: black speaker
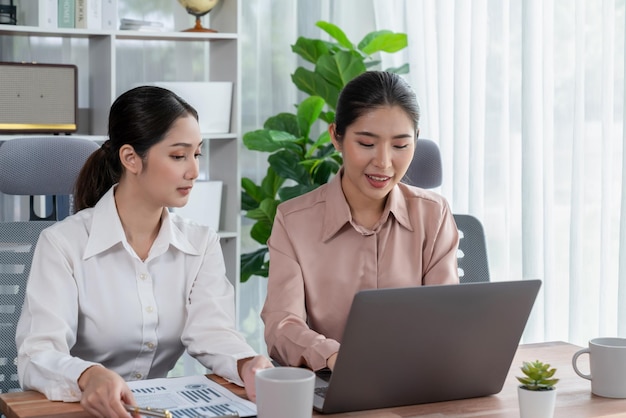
x=38 y=98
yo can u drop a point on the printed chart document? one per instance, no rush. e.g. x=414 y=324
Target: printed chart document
x=190 y=397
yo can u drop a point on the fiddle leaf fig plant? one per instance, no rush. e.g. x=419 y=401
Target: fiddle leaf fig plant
x=299 y=160
x=537 y=376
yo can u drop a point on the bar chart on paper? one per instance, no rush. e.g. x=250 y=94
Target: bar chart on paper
x=190 y=397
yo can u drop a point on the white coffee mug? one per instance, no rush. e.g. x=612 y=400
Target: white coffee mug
x=607 y=364
x=284 y=392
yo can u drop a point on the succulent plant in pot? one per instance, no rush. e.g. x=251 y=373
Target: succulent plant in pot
x=537 y=392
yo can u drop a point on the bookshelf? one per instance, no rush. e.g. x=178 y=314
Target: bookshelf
x=112 y=61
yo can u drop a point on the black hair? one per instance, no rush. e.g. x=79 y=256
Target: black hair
x=140 y=117
x=371 y=90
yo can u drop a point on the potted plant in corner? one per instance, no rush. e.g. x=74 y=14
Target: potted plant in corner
x=537 y=393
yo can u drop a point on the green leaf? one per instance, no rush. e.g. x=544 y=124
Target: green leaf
x=264 y=215
x=247 y=202
x=265 y=212
x=383 y=41
x=335 y=33
x=310 y=49
x=550 y=382
x=252 y=189
x=251 y=194
x=257 y=214
x=323 y=139
x=339 y=69
x=329 y=150
x=403 y=69
x=525 y=381
x=287 y=165
x=261 y=231
x=328 y=117
x=323 y=170
x=308 y=112
x=314 y=84
x=271 y=183
x=270 y=141
x=252 y=264
x=333 y=47
x=367 y=39
x=290 y=192
x=285 y=122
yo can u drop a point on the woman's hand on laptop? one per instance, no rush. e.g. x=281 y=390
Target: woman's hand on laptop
x=330 y=363
x=247 y=369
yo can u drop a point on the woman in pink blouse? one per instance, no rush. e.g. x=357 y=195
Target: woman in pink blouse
x=362 y=230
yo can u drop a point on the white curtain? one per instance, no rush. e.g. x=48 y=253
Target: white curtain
x=526 y=101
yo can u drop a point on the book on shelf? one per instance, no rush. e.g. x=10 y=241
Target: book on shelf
x=79 y=14
x=109 y=14
x=41 y=13
x=66 y=16
x=88 y=14
x=140 y=25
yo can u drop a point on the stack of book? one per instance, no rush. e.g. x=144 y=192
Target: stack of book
x=142 y=25
x=82 y=14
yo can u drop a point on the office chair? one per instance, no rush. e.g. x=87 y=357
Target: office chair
x=472 y=253
x=425 y=169
x=41 y=166
x=425 y=172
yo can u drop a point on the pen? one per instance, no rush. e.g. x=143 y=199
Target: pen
x=163 y=413
x=148 y=412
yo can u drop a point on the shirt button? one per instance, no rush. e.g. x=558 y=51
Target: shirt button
x=143 y=276
x=150 y=345
x=149 y=309
x=138 y=376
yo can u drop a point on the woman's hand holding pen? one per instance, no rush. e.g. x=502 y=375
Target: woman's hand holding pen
x=247 y=369
x=105 y=393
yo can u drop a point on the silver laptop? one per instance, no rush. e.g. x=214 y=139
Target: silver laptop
x=426 y=344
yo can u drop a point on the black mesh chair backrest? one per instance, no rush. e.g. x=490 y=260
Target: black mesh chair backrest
x=472 y=252
x=425 y=169
x=41 y=166
x=17 y=243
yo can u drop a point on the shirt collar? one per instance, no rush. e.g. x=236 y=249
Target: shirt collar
x=397 y=204
x=107 y=231
x=337 y=212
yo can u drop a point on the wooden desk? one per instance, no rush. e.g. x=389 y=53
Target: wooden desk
x=574 y=398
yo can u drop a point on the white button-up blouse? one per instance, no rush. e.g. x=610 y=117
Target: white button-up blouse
x=91 y=300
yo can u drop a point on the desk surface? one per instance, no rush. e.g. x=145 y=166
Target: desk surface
x=574 y=398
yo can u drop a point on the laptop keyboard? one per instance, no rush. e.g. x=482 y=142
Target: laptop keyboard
x=321 y=392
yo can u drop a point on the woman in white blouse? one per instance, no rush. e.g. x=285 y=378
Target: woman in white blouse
x=119 y=290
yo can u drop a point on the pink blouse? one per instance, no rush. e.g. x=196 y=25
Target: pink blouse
x=320 y=258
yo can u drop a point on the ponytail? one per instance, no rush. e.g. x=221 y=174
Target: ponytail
x=101 y=171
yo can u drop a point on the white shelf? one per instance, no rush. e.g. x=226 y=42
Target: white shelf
x=102 y=138
x=14 y=30
x=112 y=61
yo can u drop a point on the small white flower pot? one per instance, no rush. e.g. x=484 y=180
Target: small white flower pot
x=536 y=403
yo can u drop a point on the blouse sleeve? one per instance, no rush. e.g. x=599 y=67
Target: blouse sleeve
x=47 y=326
x=289 y=339
x=441 y=267
x=210 y=333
